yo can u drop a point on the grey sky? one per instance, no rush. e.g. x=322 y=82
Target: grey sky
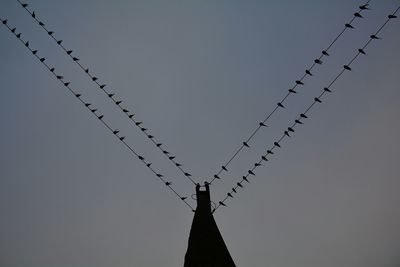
x=201 y=75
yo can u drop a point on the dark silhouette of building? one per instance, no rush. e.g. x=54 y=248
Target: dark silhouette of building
x=206 y=246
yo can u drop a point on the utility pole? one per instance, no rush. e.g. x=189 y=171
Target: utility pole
x=206 y=247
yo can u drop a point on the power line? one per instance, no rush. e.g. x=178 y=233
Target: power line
x=95 y=113
x=299 y=82
x=291 y=129
x=131 y=116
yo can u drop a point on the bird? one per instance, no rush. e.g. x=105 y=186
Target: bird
x=262 y=124
x=41 y=23
x=50 y=33
x=308 y=72
x=183 y=198
x=148 y=165
x=122 y=138
x=13 y=30
x=33 y=14
x=216 y=176
x=101 y=117
x=138 y=123
x=298 y=122
x=87 y=70
x=358 y=15
x=125 y=110
x=66 y=84
x=290 y=129
x=292 y=91
x=287 y=133
x=251 y=172
x=78 y=95
x=264 y=158
x=222 y=204
x=140 y=157
x=239 y=184
x=4 y=21
x=159 y=144
x=18 y=35
x=364 y=7
x=303 y=116
x=361 y=51
x=346 y=67
x=229 y=195
x=150 y=136
x=110 y=95
x=245 y=179
x=75 y=59
x=224 y=168
x=93 y=110
x=42 y=59
x=326 y=89
x=34 y=52
x=59 y=42
x=348 y=25
x=69 y=52
x=392 y=16
x=131 y=116
x=373 y=36
x=316 y=99
x=170 y=158
x=88 y=104
x=118 y=102
x=167 y=183
x=178 y=164
x=60 y=77
x=52 y=69
x=94 y=78
x=270 y=152
x=257 y=164
x=318 y=61
x=299 y=82
x=116 y=131
x=245 y=144
x=164 y=151
x=102 y=86
x=159 y=175
x=27 y=44
x=277 y=144
x=24 y=5
x=280 y=105
x=187 y=174
x=234 y=190
x=325 y=53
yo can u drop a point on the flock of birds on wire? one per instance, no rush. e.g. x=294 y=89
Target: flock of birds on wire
x=120 y=104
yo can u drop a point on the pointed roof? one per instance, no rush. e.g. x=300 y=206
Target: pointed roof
x=206 y=246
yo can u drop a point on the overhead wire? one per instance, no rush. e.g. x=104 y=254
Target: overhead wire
x=299 y=120
x=131 y=116
x=66 y=84
x=280 y=104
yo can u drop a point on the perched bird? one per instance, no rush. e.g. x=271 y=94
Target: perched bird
x=373 y=36
x=24 y=5
x=239 y=184
x=290 y=129
x=318 y=61
x=346 y=67
x=131 y=116
x=159 y=144
x=52 y=69
x=364 y=7
x=69 y=52
x=303 y=116
x=358 y=15
x=392 y=16
x=167 y=183
x=93 y=110
x=361 y=51
x=222 y=204
x=59 y=42
x=277 y=144
x=316 y=99
x=245 y=179
x=326 y=89
x=159 y=175
x=286 y=133
x=150 y=136
x=234 y=190
x=325 y=53
x=50 y=33
x=27 y=44
x=183 y=198
x=87 y=70
x=178 y=164
x=216 y=176
x=125 y=110
x=245 y=144
x=118 y=102
x=78 y=95
x=13 y=30
x=66 y=84
x=148 y=165
x=251 y=172
x=60 y=77
x=224 y=168
x=87 y=104
x=171 y=158
x=75 y=59
x=140 y=157
x=229 y=195
x=264 y=158
x=4 y=21
x=18 y=35
x=299 y=82
x=187 y=174
x=347 y=25
x=101 y=117
x=280 y=105
x=94 y=78
x=292 y=91
x=308 y=72
x=262 y=124
x=42 y=59
x=41 y=23
x=298 y=122
x=164 y=151
x=110 y=95
x=33 y=14
x=122 y=138
x=270 y=152
x=116 y=131
x=34 y=52
x=257 y=164
x=138 y=123
x=102 y=86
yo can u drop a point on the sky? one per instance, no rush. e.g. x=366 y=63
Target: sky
x=200 y=75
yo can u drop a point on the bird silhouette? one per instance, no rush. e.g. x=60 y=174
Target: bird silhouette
x=50 y=33
x=168 y=183
x=183 y=198
x=4 y=21
x=239 y=184
x=159 y=144
x=102 y=86
x=373 y=36
x=287 y=133
x=292 y=91
x=34 y=52
x=251 y=172
x=13 y=30
x=234 y=190
x=140 y=157
x=122 y=138
x=277 y=144
x=245 y=144
x=280 y=105
x=52 y=69
x=348 y=25
x=125 y=110
x=94 y=78
x=18 y=35
x=245 y=179
x=75 y=59
x=41 y=23
x=299 y=82
x=60 y=77
x=131 y=116
x=229 y=195
x=346 y=67
x=78 y=95
x=138 y=123
x=264 y=158
x=27 y=44
x=164 y=151
x=364 y=7
x=111 y=95
x=298 y=122
x=290 y=129
x=187 y=174
x=101 y=117
x=222 y=204
x=88 y=104
x=69 y=52
x=151 y=137
x=224 y=168
x=326 y=89
x=303 y=116
x=118 y=102
x=257 y=164
x=93 y=110
x=262 y=124
x=66 y=84
x=159 y=175
x=325 y=53
x=361 y=51
x=316 y=99
x=318 y=61
x=270 y=152
x=116 y=131
x=59 y=42
x=33 y=14
x=24 y=5
x=392 y=16
x=308 y=72
x=358 y=15
x=148 y=165
x=42 y=59
x=177 y=164
x=216 y=176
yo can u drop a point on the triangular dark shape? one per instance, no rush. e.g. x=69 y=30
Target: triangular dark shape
x=206 y=246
